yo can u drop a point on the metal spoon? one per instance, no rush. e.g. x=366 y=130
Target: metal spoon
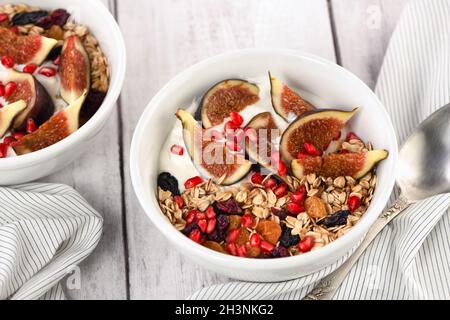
x=424 y=171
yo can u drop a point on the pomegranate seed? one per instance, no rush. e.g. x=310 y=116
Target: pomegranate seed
x=251 y=134
x=196 y=236
x=200 y=216
x=282 y=169
x=9 y=89
x=242 y=251
x=237 y=119
x=179 y=201
x=8 y=140
x=270 y=183
x=248 y=221
x=338 y=136
x=193 y=182
x=210 y=213
x=280 y=191
x=31 y=126
x=306 y=244
x=257 y=178
x=301 y=155
x=233 y=145
x=202 y=224
x=8 y=62
x=4 y=17
x=19 y=135
x=2 y=90
x=352 y=136
x=267 y=247
x=211 y=226
x=255 y=240
x=232 y=249
x=14 y=30
x=57 y=60
x=48 y=71
x=233 y=235
x=177 y=150
x=3 y=150
x=295 y=208
x=353 y=203
x=191 y=216
x=311 y=150
x=230 y=126
x=298 y=196
x=30 y=68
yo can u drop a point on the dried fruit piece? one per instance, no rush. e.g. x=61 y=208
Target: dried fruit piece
x=318 y=129
x=24 y=18
x=8 y=113
x=253 y=252
x=61 y=125
x=58 y=17
x=167 y=182
x=285 y=101
x=235 y=222
x=355 y=165
x=228 y=207
x=25 y=49
x=40 y=105
x=280 y=252
x=269 y=230
x=226 y=97
x=337 y=219
x=74 y=69
x=243 y=237
x=214 y=246
x=315 y=208
x=288 y=240
x=213 y=159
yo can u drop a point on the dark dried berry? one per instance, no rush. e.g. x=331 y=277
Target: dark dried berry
x=167 y=182
x=280 y=252
x=223 y=222
x=287 y=240
x=217 y=235
x=189 y=228
x=337 y=219
x=58 y=17
x=93 y=102
x=227 y=207
x=23 y=18
x=282 y=214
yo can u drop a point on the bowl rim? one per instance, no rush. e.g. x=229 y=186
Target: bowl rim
x=102 y=114
x=151 y=206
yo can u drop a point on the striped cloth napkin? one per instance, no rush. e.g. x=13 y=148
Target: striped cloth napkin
x=410 y=259
x=45 y=230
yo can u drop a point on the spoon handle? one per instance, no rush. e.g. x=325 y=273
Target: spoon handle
x=328 y=286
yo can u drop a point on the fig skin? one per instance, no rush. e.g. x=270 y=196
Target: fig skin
x=40 y=105
x=8 y=113
x=191 y=132
x=252 y=97
x=75 y=69
x=326 y=134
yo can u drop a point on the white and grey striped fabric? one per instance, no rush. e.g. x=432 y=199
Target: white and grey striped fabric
x=410 y=259
x=45 y=230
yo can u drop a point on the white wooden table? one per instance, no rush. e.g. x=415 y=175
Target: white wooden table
x=163 y=37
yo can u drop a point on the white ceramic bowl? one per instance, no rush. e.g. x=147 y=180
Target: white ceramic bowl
x=39 y=164
x=332 y=83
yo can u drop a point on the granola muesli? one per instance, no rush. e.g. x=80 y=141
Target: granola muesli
x=271 y=209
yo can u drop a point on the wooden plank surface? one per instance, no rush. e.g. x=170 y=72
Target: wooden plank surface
x=165 y=37
x=96 y=175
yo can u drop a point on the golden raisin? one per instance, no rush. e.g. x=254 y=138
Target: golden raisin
x=269 y=230
x=315 y=208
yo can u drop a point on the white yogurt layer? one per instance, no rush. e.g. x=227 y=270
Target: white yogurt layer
x=183 y=168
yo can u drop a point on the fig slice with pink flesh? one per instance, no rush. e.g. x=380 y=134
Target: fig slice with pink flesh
x=224 y=171
x=226 y=97
x=8 y=113
x=25 y=49
x=355 y=165
x=285 y=101
x=61 y=125
x=74 y=69
x=40 y=105
x=318 y=128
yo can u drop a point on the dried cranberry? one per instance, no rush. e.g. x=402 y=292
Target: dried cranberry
x=189 y=228
x=58 y=17
x=228 y=207
x=287 y=239
x=282 y=214
x=217 y=235
x=167 y=182
x=223 y=222
x=280 y=252
x=337 y=219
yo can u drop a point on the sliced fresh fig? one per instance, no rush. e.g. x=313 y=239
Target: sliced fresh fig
x=8 y=113
x=40 y=105
x=217 y=162
x=25 y=49
x=74 y=70
x=285 y=101
x=355 y=165
x=318 y=128
x=226 y=97
x=265 y=131
x=61 y=125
